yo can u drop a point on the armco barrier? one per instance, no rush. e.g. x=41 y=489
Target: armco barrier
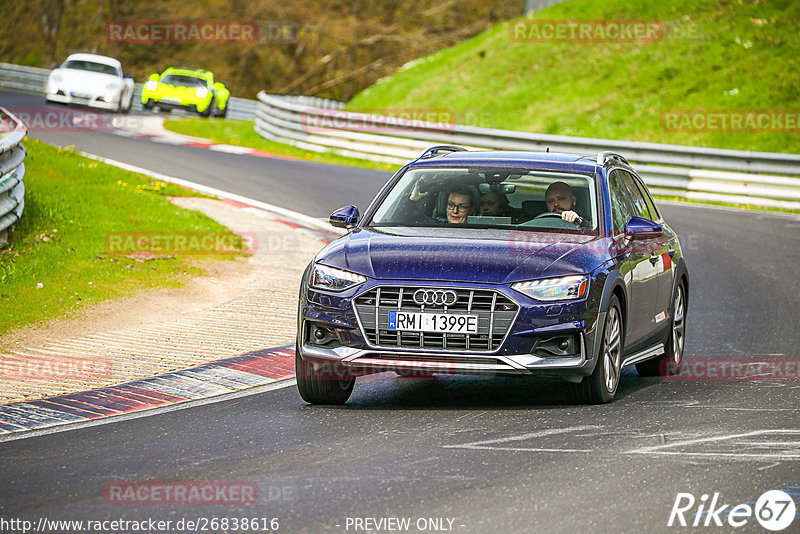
x=761 y=178
x=12 y=170
x=34 y=80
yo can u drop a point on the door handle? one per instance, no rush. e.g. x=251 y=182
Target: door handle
x=654 y=258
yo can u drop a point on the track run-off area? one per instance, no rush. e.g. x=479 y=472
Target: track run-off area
x=463 y=454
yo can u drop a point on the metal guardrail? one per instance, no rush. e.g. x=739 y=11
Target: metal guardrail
x=34 y=80
x=12 y=170
x=761 y=178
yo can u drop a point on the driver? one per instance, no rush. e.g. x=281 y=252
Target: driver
x=561 y=199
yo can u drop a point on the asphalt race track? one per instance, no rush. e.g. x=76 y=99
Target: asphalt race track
x=454 y=453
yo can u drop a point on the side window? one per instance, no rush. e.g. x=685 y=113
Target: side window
x=638 y=203
x=651 y=205
x=621 y=209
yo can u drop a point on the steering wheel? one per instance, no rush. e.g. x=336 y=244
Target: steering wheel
x=550 y=214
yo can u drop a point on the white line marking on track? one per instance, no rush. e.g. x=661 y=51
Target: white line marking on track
x=294 y=215
x=782 y=454
x=488 y=444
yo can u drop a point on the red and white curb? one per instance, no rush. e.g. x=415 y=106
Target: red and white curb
x=215 y=379
x=221 y=377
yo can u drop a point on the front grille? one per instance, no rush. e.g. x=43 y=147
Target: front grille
x=495 y=312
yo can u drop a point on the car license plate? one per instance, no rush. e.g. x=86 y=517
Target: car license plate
x=433 y=322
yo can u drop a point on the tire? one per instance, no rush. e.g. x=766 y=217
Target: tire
x=127 y=109
x=601 y=386
x=322 y=386
x=207 y=112
x=149 y=104
x=670 y=362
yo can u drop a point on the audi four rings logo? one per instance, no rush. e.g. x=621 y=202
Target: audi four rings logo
x=435 y=297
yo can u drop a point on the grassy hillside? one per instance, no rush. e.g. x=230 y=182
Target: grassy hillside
x=326 y=47
x=714 y=55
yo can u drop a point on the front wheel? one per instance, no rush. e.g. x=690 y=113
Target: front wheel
x=128 y=106
x=326 y=384
x=670 y=362
x=602 y=384
x=207 y=111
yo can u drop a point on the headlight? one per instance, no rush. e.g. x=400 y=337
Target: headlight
x=201 y=92
x=564 y=288
x=331 y=279
x=111 y=86
x=151 y=85
x=55 y=77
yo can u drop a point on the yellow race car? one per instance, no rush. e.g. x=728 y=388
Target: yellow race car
x=190 y=89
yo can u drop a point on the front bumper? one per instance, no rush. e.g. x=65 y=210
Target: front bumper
x=94 y=101
x=349 y=345
x=166 y=102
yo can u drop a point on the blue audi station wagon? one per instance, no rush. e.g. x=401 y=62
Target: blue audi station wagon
x=496 y=263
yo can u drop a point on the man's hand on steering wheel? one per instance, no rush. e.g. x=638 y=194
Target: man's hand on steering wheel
x=571 y=216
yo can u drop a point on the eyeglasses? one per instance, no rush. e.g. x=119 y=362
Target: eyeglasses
x=458 y=207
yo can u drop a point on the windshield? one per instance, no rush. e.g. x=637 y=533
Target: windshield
x=179 y=80
x=491 y=198
x=91 y=66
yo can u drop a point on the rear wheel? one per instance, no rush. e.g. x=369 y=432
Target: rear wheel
x=670 y=362
x=602 y=384
x=149 y=104
x=324 y=383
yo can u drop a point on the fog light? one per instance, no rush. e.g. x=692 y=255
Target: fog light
x=567 y=346
x=319 y=333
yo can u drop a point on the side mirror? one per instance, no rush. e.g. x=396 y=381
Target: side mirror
x=54 y=66
x=641 y=228
x=346 y=217
x=219 y=86
x=153 y=77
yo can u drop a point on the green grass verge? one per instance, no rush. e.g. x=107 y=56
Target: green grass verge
x=60 y=257
x=241 y=133
x=722 y=55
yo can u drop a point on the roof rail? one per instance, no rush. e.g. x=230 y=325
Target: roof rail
x=434 y=151
x=602 y=157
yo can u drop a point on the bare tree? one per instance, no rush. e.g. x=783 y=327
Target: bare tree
x=51 y=13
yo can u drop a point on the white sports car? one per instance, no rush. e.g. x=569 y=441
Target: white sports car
x=91 y=80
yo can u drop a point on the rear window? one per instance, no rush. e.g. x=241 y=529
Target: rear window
x=179 y=80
